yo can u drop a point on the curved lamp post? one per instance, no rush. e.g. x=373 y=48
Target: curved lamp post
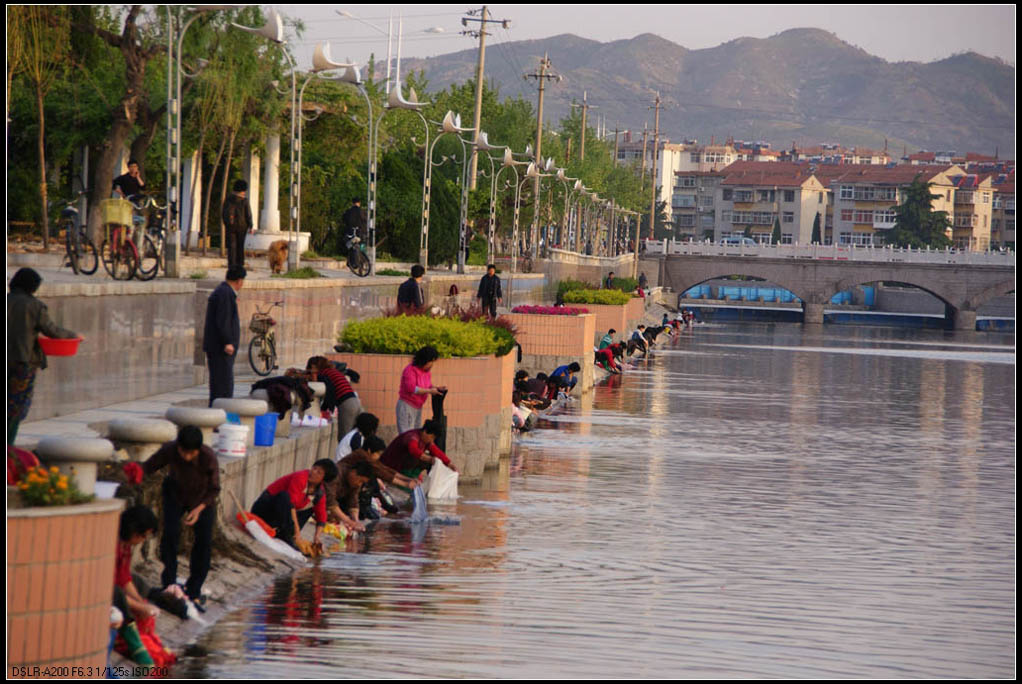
x=450 y=124
x=273 y=30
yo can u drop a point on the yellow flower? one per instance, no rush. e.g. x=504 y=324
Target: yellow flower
x=62 y=485
x=54 y=469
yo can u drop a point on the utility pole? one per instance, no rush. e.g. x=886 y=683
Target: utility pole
x=616 y=131
x=642 y=160
x=656 y=140
x=483 y=19
x=585 y=107
x=542 y=76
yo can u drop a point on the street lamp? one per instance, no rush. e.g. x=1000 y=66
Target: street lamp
x=451 y=124
x=273 y=30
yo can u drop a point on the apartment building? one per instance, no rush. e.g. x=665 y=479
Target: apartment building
x=630 y=150
x=753 y=195
x=832 y=153
x=1002 y=216
x=863 y=198
x=693 y=203
x=973 y=209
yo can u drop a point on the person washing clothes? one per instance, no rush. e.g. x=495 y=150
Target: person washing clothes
x=413 y=451
x=416 y=384
x=566 y=374
x=289 y=502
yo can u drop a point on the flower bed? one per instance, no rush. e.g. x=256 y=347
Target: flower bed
x=407 y=334
x=550 y=310
x=605 y=297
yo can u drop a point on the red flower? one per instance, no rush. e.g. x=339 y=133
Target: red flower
x=133 y=472
x=550 y=310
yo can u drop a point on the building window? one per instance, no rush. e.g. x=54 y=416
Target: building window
x=863 y=216
x=789 y=195
x=743 y=195
x=846 y=214
x=787 y=239
x=727 y=194
x=725 y=216
x=694 y=157
x=819 y=198
x=788 y=217
x=986 y=198
x=766 y=195
x=847 y=192
x=687 y=181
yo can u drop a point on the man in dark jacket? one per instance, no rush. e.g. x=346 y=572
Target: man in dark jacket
x=489 y=291
x=222 y=333
x=237 y=217
x=409 y=295
x=190 y=490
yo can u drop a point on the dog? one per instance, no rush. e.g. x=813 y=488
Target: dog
x=277 y=255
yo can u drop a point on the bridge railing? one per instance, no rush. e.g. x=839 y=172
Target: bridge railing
x=834 y=252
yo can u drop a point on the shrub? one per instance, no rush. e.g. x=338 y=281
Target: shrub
x=302 y=273
x=614 y=297
x=408 y=334
x=565 y=286
x=198 y=275
x=310 y=254
x=550 y=310
x=626 y=284
x=41 y=487
x=392 y=272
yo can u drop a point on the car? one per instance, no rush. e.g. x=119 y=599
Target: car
x=738 y=241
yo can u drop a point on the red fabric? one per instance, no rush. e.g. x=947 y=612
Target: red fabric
x=161 y=655
x=411 y=377
x=122 y=567
x=339 y=381
x=259 y=521
x=19 y=462
x=133 y=471
x=404 y=452
x=295 y=484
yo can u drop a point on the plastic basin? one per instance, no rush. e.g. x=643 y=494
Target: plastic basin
x=53 y=346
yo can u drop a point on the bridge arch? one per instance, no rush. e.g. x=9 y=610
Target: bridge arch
x=999 y=290
x=797 y=289
x=856 y=281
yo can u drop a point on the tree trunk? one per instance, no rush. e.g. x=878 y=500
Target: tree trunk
x=42 y=168
x=223 y=195
x=209 y=195
x=191 y=191
x=144 y=140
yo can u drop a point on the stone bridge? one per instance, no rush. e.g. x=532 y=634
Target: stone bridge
x=963 y=288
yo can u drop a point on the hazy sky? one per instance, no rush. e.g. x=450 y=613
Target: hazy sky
x=895 y=33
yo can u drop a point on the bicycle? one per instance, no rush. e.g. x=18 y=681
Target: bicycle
x=358 y=262
x=78 y=248
x=152 y=239
x=118 y=251
x=262 y=349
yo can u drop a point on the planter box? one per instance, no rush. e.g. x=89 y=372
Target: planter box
x=60 y=578
x=551 y=341
x=608 y=316
x=635 y=310
x=478 y=406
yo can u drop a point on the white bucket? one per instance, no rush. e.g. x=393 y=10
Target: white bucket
x=106 y=490
x=231 y=442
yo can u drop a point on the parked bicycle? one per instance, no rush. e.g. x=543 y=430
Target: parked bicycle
x=358 y=262
x=118 y=251
x=262 y=350
x=78 y=248
x=151 y=240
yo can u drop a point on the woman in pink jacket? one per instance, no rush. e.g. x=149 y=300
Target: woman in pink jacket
x=416 y=385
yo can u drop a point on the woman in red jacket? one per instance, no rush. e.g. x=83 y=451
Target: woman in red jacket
x=289 y=502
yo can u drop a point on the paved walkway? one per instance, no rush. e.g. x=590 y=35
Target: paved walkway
x=77 y=424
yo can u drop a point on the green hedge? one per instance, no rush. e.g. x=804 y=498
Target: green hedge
x=615 y=297
x=626 y=284
x=408 y=334
x=565 y=286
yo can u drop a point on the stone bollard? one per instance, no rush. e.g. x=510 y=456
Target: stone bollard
x=247 y=410
x=140 y=438
x=284 y=424
x=318 y=391
x=76 y=456
x=206 y=419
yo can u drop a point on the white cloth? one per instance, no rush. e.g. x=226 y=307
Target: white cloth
x=344 y=447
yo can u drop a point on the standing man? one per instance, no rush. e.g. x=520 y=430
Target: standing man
x=409 y=295
x=354 y=226
x=489 y=291
x=129 y=184
x=237 y=217
x=190 y=491
x=222 y=333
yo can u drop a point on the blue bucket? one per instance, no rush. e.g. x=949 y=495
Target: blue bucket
x=265 y=428
x=234 y=419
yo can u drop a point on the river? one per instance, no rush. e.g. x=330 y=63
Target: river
x=757 y=500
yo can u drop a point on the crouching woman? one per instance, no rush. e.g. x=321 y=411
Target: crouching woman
x=288 y=503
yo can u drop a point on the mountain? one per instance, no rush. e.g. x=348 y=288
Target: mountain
x=803 y=85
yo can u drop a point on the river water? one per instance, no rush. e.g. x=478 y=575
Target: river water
x=754 y=501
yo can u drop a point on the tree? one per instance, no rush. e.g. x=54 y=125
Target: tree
x=816 y=230
x=775 y=237
x=916 y=223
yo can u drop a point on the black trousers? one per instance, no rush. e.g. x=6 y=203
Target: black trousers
x=490 y=307
x=235 y=247
x=275 y=510
x=221 y=375
x=202 y=547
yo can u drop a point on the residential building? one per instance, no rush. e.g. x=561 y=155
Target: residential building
x=693 y=203
x=670 y=158
x=753 y=195
x=972 y=212
x=1002 y=217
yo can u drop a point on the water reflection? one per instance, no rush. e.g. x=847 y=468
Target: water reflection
x=747 y=504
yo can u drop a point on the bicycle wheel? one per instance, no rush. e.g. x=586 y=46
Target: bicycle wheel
x=119 y=263
x=261 y=355
x=148 y=259
x=360 y=267
x=71 y=244
x=88 y=258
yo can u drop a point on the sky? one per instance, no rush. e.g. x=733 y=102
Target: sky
x=896 y=33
